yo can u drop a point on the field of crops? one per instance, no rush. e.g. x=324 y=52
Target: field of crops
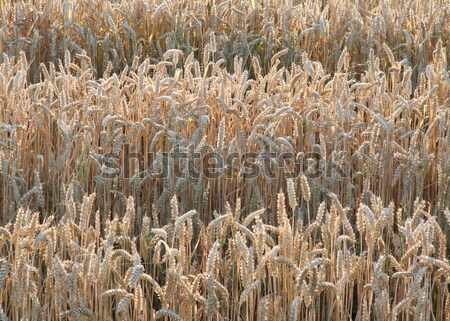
x=225 y=160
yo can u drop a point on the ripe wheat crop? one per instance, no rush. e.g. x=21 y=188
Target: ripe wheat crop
x=224 y=160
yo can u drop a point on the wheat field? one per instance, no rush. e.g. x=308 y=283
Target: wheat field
x=225 y=160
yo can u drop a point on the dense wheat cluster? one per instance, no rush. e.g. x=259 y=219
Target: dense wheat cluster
x=99 y=223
